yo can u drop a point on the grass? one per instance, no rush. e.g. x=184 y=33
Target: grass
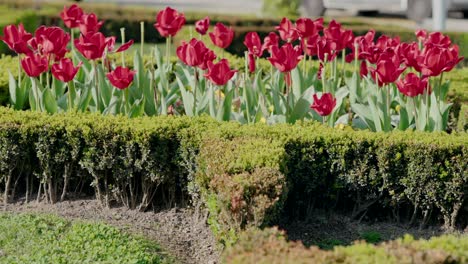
x=28 y=238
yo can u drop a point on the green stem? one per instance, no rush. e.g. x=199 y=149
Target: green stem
x=47 y=79
x=35 y=91
x=195 y=93
x=168 y=52
x=415 y=111
x=127 y=101
x=71 y=95
x=343 y=62
x=19 y=70
x=324 y=84
x=122 y=54
x=388 y=122
x=96 y=82
x=440 y=87
x=72 y=40
x=142 y=41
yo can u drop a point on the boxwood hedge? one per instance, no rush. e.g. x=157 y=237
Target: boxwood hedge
x=246 y=176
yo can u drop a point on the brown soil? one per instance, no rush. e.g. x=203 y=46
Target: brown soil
x=182 y=232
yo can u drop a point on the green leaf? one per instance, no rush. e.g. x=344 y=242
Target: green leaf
x=49 y=102
x=302 y=106
x=138 y=108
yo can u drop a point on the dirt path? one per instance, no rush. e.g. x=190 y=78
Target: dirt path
x=182 y=232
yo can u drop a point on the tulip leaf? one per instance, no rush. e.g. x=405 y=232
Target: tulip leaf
x=365 y=114
x=49 y=102
x=187 y=98
x=225 y=107
x=137 y=109
x=13 y=87
x=85 y=97
x=32 y=100
x=302 y=106
x=105 y=89
x=298 y=86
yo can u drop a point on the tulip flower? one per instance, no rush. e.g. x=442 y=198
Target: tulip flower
x=388 y=69
x=17 y=38
x=271 y=40
x=363 y=70
x=192 y=53
x=34 y=65
x=71 y=16
x=50 y=41
x=306 y=27
x=251 y=62
x=221 y=36
x=253 y=43
x=92 y=45
x=110 y=42
x=64 y=70
x=208 y=57
x=410 y=55
x=412 y=85
x=341 y=37
x=90 y=23
x=121 y=77
x=325 y=105
x=326 y=49
x=287 y=30
x=421 y=34
x=285 y=58
x=438 y=59
x=438 y=39
x=169 y=22
x=202 y=25
x=219 y=73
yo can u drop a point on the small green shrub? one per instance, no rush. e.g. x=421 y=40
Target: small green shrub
x=28 y=238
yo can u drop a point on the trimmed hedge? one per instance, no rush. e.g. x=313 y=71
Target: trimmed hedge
x=246 y=176
x=271 y=246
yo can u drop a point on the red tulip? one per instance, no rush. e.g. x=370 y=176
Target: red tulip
x=110 y=42
x=251 y=62
x=412 y=85
x=271 y=40
x=64 y=70
x=438 y=39
x=385 y=42
x=90 y=23
x=421 y=34
x=71 y=16
x=341 y=37
x=388 y=69
x=326 y=47
x=306 y=27
x=253 y=43
x=208 y=57
x=310 y=45
x=219 y=73
x=50 y=40
x=410 y=55
x=17 y=38
x=363 y=70
x=202 y=25
x=366 y=47
x=325 y=105
x=121 y=77
x=320 y=71
x=287 y=31
x=34 y=65
x=91 y=45
x=438 y=59
x=221 y=36
x=192 y=53
x=169 y=22
x=285 y=58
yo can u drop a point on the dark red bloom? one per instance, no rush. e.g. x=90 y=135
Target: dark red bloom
x=71 y=16
x=219 y=73
x=91 y=45
x=192 y=53
x=309 y=45
x=326 y=47
x=438 y=39
x=251 y=62
x=253 y=43
x=421 y=34
x=325 y=105
x=341 y=37
x=287 y=30
x=169 y=22
x=271 y=40
x=221 y=36
x=306 y=27
x=412 y=85
x=50 y=40
x=202 y=25
x=363 y=71
x=285 y=58
x=208 y=57
x=121 y=77
x=17 y=38
x=410 y=55
x=385 y=42
x=65 y=71
x=437 y=59
x=110 y=42
x=90 y=23
x=388 y=69
x=320 y=71
x=34 y=65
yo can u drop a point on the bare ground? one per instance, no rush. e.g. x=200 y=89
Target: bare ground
x=180 y=231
